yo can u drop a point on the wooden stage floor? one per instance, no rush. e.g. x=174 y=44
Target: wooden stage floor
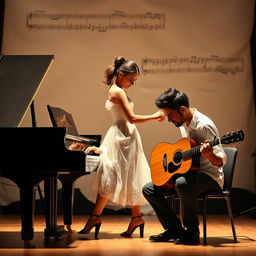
x=110 y=243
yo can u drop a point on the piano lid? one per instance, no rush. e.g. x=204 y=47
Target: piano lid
x=20 y=78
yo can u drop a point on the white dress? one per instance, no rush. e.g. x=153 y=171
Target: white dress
x=123 y=168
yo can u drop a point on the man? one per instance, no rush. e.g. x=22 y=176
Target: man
x=193 y=125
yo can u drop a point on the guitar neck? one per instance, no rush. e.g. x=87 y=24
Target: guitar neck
x=196 y=150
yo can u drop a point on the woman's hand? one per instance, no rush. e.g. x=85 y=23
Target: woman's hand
x=93 y=148
x=159 y=116
x=81 y=147
x=77 y=146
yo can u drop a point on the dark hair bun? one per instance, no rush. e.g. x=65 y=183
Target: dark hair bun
x=119 y=61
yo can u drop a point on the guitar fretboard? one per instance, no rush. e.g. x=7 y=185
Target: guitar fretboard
x=196 y=150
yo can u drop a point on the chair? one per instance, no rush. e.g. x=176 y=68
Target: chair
x=223 y=194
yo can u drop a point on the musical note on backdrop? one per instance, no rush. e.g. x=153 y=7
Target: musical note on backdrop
x=214 y=63
x=118 y=20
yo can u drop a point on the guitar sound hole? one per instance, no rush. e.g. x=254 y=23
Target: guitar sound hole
x=177 y=157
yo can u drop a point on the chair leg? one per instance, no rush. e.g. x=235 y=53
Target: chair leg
x=173 y=202
x=181 y=210
x=204 y=219
x=231 y=218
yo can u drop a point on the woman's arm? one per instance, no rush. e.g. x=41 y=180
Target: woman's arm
x=118 y=96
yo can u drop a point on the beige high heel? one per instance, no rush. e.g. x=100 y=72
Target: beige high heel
x=91 y=223
x=132 y=227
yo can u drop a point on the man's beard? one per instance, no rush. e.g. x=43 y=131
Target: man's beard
x=182 y=122
x=178 y=124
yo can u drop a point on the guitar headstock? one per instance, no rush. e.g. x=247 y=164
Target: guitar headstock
x=232 y=137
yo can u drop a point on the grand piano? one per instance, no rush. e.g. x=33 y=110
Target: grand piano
x=30 y=154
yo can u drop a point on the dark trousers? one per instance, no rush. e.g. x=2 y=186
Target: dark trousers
x=188 y=187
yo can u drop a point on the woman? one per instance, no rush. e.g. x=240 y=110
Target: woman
x=123 y=169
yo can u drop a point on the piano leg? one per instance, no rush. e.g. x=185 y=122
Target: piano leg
x=50 y=184
x=52 y=229
x=68 y=181
x=27 y=196
x=27 y=185
x=68 y=199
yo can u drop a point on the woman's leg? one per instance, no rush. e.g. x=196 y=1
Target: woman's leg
x=99 y=205
x=136 y=221
x=136 y=211
x=94 y=219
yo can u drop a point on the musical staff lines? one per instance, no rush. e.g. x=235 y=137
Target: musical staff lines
x=118 y=20
x=213 y=63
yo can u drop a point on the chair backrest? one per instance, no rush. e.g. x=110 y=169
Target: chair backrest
x=229 y=167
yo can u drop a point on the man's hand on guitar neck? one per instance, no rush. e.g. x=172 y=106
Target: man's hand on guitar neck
x=207 y=152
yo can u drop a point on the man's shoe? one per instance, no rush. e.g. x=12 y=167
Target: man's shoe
x=166 y=236
x=189 y=237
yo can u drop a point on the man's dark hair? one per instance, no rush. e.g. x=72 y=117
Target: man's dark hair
x=172 y=99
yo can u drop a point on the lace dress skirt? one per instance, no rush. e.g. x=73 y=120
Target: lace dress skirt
x=123 y=169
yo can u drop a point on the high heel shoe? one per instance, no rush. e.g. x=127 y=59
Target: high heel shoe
x=135 y=223
x=92 y=222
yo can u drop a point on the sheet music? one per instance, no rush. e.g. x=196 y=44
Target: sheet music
x=100 y=22
x=213 y=63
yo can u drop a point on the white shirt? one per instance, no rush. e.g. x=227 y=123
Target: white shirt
x=202 y=128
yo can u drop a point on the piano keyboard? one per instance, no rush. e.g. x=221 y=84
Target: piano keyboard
x=92 y=163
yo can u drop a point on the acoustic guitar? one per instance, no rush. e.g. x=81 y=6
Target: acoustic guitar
x=169 y=160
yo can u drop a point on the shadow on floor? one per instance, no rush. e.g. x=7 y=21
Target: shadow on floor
x=12 y=240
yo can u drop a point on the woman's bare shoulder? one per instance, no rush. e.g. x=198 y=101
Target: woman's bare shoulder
x=115 y=89
x=116 y=92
